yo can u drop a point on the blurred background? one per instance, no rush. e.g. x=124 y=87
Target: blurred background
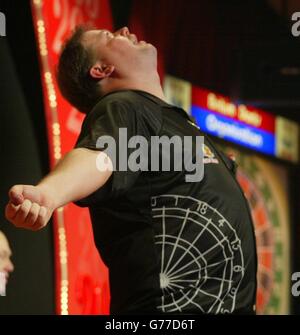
x=233 y=65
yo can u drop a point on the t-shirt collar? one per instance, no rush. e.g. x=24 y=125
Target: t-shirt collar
x=147 y=95
x=154 y=98
x=162 y=103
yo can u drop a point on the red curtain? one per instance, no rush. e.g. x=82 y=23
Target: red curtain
x=200 y=40
x=182 y=31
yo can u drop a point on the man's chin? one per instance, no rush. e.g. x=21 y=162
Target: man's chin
x=149 y=46
x=154 y=50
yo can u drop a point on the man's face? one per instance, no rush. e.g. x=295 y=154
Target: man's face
x=6 y=265
x=121 y=49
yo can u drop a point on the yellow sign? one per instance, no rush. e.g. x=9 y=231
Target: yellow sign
x=287 y=139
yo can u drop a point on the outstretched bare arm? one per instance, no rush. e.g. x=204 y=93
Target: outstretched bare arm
x=74 y=177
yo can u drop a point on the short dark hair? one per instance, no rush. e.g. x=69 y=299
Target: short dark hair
x=73 y=77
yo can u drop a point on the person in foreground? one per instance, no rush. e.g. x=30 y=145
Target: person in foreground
x=172 y=244
x=6 y=265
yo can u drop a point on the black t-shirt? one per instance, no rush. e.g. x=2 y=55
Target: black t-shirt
x=171 y=246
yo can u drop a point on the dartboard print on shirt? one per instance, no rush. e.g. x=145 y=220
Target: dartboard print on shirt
x=200 y=266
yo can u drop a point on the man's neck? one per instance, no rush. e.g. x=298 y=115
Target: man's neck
x=150 y=86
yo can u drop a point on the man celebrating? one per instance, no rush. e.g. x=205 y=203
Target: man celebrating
x=171 y=245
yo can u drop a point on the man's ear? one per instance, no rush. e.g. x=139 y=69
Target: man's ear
x=100 y=71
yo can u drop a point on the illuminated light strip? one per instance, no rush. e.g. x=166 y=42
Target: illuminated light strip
x=56 y=144
x=222 y=105
x=234 y=131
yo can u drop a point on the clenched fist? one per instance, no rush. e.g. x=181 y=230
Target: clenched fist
x=29 y=207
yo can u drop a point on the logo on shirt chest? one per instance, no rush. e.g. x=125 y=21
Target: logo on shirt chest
x=209 y=156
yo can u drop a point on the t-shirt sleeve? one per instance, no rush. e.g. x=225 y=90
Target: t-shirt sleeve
x=109 y=122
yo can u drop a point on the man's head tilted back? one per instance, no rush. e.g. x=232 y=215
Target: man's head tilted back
x=74 y=81
x=95 y=62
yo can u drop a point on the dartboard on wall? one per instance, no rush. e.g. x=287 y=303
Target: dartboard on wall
x=266 y=187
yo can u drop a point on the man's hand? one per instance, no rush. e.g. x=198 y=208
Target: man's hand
x=29 y=207
x=74 y=177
